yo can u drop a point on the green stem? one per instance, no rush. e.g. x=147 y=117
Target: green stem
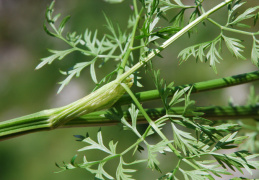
x=129 y=50
x=23 y=125
x=75 y=109
x=133 y=145
x=101 y=118
x=89 y=164
x=135 y=7
x=142 y=138
x=173 y=39
x=197 y=87
x=190 y=163
x=177 y=167
x=39 y=121
x=60 y=36
x=231 y=29
x=137 y=47
x=149 y=120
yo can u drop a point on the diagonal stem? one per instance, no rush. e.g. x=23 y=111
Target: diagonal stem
x=151 y=123
x=173 y=39
x=129 y=50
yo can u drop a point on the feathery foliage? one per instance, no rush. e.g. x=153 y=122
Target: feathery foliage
x=191 y=136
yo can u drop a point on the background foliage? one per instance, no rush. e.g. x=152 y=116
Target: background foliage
x=23 y=90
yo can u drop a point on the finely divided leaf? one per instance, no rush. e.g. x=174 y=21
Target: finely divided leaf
x=152 y=159
x=213 y=55
x=100 y=172
x=134 y=114
x=56 y=55
x=185 y=141
x=210 y=166
x=177 y=96
x=226 y=142
x=194 y=174
x=245 y=15
x=198 y=52
x=122 y=173
x=92 y=72
x=62 y=24
x=74 y=72
x=237 y=160
x=178 y=20
x=234 y=46
x=95 y=145
x=255 y=52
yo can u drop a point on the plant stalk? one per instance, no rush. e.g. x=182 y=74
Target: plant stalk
x=173 y=39
x=151 y=123
x=197 y=87
x=39 y=121
x=55 y=117
x=102 y=118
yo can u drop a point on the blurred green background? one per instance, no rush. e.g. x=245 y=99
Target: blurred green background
x=24 y=90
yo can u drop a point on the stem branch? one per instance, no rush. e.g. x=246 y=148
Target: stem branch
x=172 y=39
x=151 y=123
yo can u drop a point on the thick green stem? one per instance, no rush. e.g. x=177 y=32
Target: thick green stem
x=39 y=121
x=197 y=87
x=102 y=98
x=93 y=102
x=101 y=118
x=31 y=123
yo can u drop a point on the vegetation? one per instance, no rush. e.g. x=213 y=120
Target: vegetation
x=195 y=142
